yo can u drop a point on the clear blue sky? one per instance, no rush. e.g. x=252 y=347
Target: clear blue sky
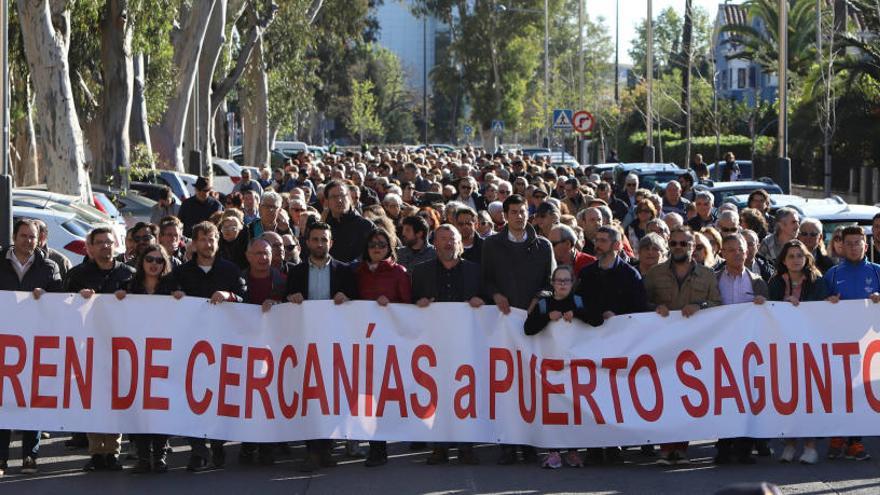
x=633 y=11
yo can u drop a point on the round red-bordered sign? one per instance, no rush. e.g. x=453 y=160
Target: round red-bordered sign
x=582 y=121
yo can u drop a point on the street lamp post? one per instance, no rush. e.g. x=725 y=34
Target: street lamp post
x=649 y=142
x=546 y=12
x=6 y=177
x=784 y=161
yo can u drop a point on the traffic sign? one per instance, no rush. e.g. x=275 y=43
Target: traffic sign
x=583 y=121
x=468 y=130
x=498 y=126
x=562 y=119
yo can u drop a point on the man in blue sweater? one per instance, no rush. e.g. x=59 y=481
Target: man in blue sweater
x=854 y=278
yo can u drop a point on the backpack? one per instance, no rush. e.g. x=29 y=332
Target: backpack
x=542 y=304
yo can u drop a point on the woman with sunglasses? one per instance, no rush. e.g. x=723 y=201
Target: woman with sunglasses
x=797 y=279
x=810 y=234
x=381 y=279
x=153 y=277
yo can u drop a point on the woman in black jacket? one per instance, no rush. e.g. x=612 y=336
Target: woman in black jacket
x=797 y=279
x=153 y=277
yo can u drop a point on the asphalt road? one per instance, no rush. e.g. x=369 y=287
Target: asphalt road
x=406 y=472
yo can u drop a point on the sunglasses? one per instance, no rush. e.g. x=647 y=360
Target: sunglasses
x=730 y=230
x=142 y=238
x=156 y=260
x=377 y=245
x=679 y=243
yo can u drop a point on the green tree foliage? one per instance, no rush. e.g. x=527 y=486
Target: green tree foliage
x=495 y=53
x=362 y=119
x=668 y=27
x=394 y=101
x=291 y=72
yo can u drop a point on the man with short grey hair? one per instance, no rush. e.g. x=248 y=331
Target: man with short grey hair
x=270 y=205
x=673 y=220
x=703 y=201
x=728 y=222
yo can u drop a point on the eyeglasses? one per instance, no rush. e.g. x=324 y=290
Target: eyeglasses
x=503 y=191
x=377 y=245
x=142 y=238
x=156 y=260
x=564 y=281
x=680 y=243
x=102 y=243
x=809 y=234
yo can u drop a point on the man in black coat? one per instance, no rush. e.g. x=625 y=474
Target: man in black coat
x=100 y=274
x=320 y=277
x=610 y=287
x=199 y=207
x=448 y=278
x=23 y=267
x=207 y=275
x=350 y=230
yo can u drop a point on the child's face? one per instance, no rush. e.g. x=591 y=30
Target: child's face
x=562 y=283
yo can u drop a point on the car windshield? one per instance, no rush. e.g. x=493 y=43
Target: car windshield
x=649 y=180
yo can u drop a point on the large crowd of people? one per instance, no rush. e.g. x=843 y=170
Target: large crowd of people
x=465 y=226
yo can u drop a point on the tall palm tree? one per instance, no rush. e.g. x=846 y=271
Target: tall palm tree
x=762 y=46
x=866 y=60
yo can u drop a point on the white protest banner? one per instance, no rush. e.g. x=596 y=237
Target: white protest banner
x=443 y=373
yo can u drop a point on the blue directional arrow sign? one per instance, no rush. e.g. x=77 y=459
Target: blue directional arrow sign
x=562 y=118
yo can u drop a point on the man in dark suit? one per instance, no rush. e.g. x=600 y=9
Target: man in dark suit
x=448 y=278
x=320 y=277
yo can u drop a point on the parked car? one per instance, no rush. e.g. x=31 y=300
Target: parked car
x=723 y=190
x=837 y=214
x=67 y=234
x=291 y=148
x=227 y=174
x=558 y=158
x=650 y=174
x=173 y=180
x=88 y=214
x=531 y=152
x=152 y=191
x=318 y=151
x=277 y=159
x=133 y=207
x=779 y=200
x=746 y=170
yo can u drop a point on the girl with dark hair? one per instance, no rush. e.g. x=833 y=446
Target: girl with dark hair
x=797 y=279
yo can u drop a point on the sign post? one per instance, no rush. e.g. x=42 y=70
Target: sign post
x=583 y=121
